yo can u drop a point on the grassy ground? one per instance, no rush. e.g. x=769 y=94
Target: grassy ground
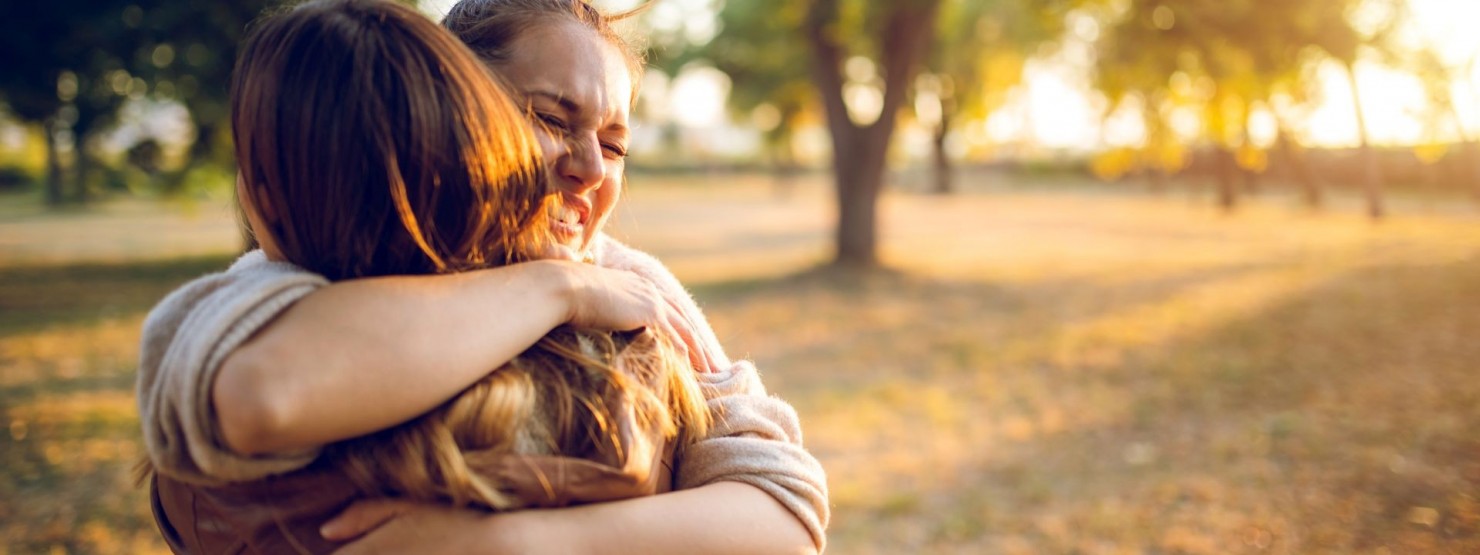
x=1074 y=371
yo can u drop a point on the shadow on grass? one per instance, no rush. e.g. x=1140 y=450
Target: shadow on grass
x=42 y=296
x=1341 y=419
x=892 y=322
x=885 y=281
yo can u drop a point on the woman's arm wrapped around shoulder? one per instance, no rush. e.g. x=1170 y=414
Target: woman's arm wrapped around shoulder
x=249 y=372
x=186 y=337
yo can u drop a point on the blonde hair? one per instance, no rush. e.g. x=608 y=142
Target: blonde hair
x=576 y=393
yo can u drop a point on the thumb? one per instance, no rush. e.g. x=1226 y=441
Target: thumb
x=360 y=518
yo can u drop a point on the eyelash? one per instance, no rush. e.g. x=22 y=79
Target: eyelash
x=551 y=121
x=558 y=124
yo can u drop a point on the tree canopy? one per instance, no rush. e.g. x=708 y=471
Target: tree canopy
x=71 y=66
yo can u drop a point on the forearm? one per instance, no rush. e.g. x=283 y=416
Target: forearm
x=720 y=518
x=363 y=355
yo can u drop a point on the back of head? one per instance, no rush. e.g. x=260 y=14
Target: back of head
x=373 y=142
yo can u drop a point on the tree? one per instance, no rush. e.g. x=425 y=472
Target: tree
x=56 y=77
x=70 y=66
x=977 y=56
x=187 y=53
x=1438 y=76
x=1245 y=51
x=757 y=47
x=900 y=31
x=1344 y=41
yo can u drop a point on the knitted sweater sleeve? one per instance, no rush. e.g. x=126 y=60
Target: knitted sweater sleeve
x=756 y=438
x=185 y=340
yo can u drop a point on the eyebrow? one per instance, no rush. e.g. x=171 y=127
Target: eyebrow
x=572 y=107
x=565 y=103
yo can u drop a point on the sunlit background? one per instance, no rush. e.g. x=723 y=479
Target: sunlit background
x=1131 y=277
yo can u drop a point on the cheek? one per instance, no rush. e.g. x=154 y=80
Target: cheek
x=610 y=192
x=551 y=147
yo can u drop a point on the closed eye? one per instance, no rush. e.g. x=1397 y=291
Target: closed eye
x=614 y=150
x=552 y=121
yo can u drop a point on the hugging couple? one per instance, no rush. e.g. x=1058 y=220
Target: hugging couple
x=435 y=348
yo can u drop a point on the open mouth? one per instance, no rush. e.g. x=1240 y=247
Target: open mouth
x=568 y=218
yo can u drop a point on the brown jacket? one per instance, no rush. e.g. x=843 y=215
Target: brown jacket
x=282 y=514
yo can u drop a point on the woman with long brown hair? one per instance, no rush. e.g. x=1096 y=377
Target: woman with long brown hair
x=302 y=364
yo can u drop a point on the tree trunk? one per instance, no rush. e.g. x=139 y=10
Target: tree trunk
x=1371 y=178
x=784 y=165
x=1299 y=170
x=1224 y=163
x=858 y=186
x=1151 y=155
x=1225 y=168
x=82 y=169
x=861 y=152
x=942 y=159
x=91 y=118
x=943 y=170
x=53 y=184
x=1156 y=180
x=1251 y=181
x=1250 y=177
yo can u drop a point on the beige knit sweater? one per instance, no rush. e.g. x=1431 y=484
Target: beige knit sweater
x=757 y=438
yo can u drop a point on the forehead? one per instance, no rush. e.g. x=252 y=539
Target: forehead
x=574 y=62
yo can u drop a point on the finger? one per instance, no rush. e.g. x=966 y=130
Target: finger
x=699 y=355
x=671 y=335
x=361 y=518
x=684 y=339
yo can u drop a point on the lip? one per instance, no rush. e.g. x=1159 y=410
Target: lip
x=571 y=233
x=566 y=233
x=580 y=205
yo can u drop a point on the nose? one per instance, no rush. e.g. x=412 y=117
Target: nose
x=580 y=165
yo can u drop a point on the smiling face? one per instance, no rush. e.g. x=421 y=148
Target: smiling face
x=579 y=89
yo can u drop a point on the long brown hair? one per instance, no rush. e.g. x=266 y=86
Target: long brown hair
x=382 y=146
x=376 y=144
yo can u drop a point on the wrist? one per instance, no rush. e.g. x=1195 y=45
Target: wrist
x=561 y=286
x=555 y=282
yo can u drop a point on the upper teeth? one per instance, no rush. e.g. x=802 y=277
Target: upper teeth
x=566 y=215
